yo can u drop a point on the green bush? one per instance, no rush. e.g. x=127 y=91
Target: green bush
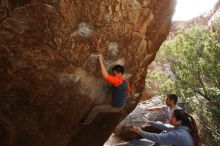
x=193 y=60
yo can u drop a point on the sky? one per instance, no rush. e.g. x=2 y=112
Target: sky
x=187 y=9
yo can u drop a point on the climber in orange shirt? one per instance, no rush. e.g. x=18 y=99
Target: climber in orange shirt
x=120 y=89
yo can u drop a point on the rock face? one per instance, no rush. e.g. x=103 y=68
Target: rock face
x=49 y=75
x=205 y=19
x=139 y=117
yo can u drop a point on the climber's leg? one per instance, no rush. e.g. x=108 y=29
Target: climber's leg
x=99 y=109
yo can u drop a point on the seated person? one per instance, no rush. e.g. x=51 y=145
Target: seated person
x=182 y=132
x=171 y=105
x=120 y=89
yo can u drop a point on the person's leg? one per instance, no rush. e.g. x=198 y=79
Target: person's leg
x=94 y=112
x=99 y=109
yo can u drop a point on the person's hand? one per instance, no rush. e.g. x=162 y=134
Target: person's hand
x=100 y=57
x=154 y=109
x=137 y=129
x=148 y=109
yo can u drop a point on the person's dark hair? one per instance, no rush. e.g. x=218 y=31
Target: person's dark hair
x=118 y=68
x=173 y=97
x=189 y=121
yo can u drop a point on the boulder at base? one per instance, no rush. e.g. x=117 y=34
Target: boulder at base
x=139 y=117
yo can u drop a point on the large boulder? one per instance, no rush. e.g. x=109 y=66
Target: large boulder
x=139 y=117
x=49 y=75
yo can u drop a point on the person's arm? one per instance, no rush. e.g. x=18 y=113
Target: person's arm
x=129 y=87
x=103 y=68
x=163 y=138
x=161 y=126
x=155 y=109
x=111 y=79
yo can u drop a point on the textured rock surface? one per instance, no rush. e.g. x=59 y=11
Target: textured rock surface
x=205 y=19
x=138 y=118
x=49 y=75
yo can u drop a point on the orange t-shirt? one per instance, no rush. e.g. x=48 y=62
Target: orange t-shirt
x=116 y=81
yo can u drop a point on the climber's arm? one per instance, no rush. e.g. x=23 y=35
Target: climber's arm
x=103 y=68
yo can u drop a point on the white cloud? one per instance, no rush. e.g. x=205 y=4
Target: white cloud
x=187 y=9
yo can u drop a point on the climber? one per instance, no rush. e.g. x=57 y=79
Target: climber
x=120 y=89
x=183 y=131
x=171 y=105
